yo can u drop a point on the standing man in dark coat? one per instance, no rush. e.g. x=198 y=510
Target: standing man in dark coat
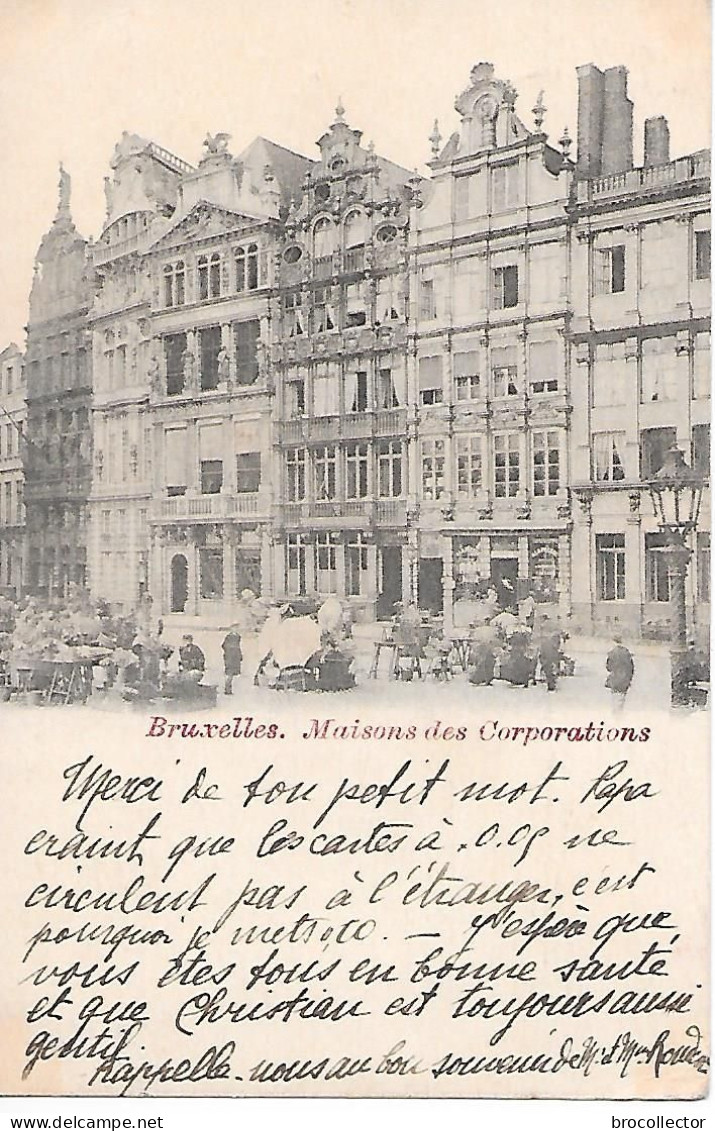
x=232 y=658
x=620 y=668
x=550 y=657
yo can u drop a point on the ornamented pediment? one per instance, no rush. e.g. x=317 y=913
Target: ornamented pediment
x=204 y=222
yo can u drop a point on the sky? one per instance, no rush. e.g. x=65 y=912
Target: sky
x=75 y=73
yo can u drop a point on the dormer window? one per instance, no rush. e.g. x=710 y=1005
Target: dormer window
x=209 y=272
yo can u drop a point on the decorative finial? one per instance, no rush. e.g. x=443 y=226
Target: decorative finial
x=65 y=190
x=510 y=95
x=565 y=141
x=371 y=147
x=435 y=139
x=539 y=112
x=340 y=111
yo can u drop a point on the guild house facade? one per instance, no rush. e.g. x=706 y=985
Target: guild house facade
x=58 y=371
x=13 y=420
x=324 y=376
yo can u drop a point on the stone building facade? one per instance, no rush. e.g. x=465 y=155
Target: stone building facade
x=13 y=422
x=58 y=371
x=211 y=389
x=141 y=197
x=640 y=347
x=334 y=376
x=488 y=361
x=339 y=348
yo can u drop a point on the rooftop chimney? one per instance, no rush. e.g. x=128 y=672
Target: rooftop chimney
x=590 y=120
x=656 y=141
x=617 y=140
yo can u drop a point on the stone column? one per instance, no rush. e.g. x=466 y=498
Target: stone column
x=268 y=571
x=635 y=572
x=448 y=582
x=229 y=567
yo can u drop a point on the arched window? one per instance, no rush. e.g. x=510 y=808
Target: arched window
x=323 y=245
x=355 y=236
x=240 y=257
x=168 y=285
x=215 y=276
x=252 y=267
x=203 y=272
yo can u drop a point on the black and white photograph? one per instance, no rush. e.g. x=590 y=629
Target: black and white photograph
x=355 y=387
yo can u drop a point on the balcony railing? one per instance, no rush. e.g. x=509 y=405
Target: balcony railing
x=380 y=422
x=695 y=166
x=186 y=507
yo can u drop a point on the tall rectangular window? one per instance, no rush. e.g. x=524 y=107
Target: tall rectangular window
x=293 y=315
x=211 y=573
x=610 y=270
x=659 y=370
x=326 y=390
x=323 y=311
x=461 y=198
x=175 y=461
x=211 y=476
x=611 y=567
x=174 y=354
x=295 y=564
x=295 y=396
x=357 y=475
x=389 y=469
x=295 y=474
x=430 y=377
x=505 y=378
x=545 y=465
x=702 y=255
x=428 y=301
x=356 y=392
x=655 y=444
x=433 y=452
x=246 y=338
x=469 y=465
x=543 y=372
x=505 y=187
x=324 y=470
x=248 y=472
x=506 y=465
x=326 y=564
x=209 y=347
x=701 y=366
x=355 y=305
x=608 y=449
x=356 y=565
x=466 y=375
x=657 y=584
x=610 y=374
x=387 y=391
x=505 y=287
x=701 y=449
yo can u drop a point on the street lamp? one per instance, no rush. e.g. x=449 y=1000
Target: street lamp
x=676 y=493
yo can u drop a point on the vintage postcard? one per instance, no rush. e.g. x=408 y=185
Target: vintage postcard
x=355 y=549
